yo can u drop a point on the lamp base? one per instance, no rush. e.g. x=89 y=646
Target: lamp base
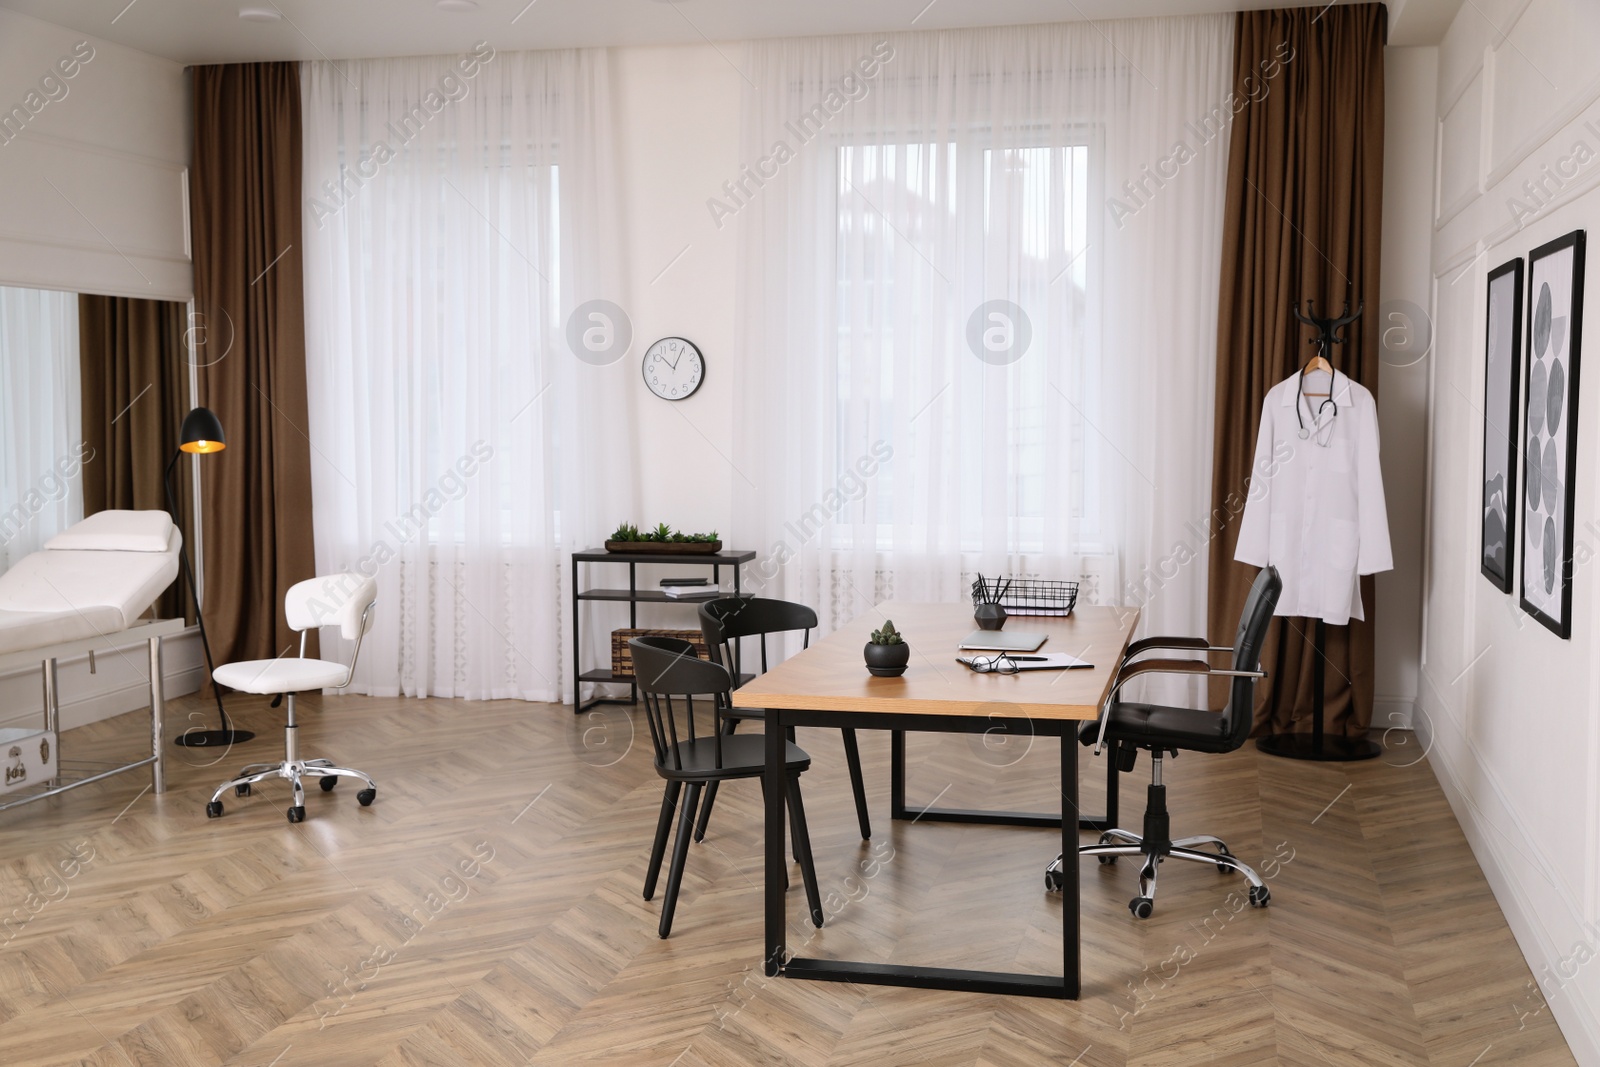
x=213 y=738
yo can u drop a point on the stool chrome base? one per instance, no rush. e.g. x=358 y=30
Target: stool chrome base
x=295 y=770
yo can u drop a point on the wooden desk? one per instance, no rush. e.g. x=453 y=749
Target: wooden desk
x=828 y=685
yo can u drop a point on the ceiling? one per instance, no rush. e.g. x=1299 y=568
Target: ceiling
x=211 y=31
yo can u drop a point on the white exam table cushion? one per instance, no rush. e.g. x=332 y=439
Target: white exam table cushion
x=116 y=531
x=56 y=595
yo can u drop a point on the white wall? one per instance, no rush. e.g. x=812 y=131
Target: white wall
x=1509 y=710
x=1404 y=288
x=94 y=178
x=677 y=122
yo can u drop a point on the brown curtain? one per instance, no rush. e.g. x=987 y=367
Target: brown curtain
x=245 y=207
x=135 y=395
x=1302 y=217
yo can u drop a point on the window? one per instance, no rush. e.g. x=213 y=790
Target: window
x=925 y=234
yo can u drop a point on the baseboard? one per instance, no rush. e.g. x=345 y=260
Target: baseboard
x=1394 y=713
x=1576 y=1018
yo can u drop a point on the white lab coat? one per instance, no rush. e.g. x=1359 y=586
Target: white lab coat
x=1317 y=513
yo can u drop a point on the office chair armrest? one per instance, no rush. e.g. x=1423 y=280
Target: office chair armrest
x=1191 y=644
x=1129 y=671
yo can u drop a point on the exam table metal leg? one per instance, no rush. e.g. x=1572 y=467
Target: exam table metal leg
x=158 y=718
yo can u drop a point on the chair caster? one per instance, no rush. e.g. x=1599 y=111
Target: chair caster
x=1142 y=907
x=242 y=790
x=1107 y=861
x=1054 y=880
x=297 y=814
x=214 y=810
x=328 y=783
x=1260 y=895
x=366 y=797
x=1223 y=868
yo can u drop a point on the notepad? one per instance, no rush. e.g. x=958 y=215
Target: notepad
x=1054 y=661
x=1002 y=641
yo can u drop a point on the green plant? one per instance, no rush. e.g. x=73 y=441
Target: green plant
x=627 y=531
x=887 y=634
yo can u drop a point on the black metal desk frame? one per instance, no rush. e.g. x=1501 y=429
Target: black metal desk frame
x=634 y=596
x=899 y=810
x=777 y=960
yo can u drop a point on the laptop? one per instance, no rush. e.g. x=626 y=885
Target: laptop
x=1003 y=641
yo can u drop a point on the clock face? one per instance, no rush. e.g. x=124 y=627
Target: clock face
x=673 y=368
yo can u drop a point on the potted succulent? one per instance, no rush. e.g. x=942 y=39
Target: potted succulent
x=887 y=652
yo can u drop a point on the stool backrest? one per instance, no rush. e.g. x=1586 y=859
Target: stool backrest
x=669 y=673
x=342 y=600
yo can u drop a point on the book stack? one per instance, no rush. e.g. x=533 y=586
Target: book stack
x=689 y=588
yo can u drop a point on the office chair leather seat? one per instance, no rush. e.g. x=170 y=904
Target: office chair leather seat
x=287 y=675
x=1161 y=726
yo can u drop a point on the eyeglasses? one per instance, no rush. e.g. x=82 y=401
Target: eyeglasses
x=1001 y=663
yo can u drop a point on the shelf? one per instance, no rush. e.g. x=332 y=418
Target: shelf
x=644 y=596
x=724 y=558
x=607 y=676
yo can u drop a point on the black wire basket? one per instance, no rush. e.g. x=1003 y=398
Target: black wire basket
x=1027 y=596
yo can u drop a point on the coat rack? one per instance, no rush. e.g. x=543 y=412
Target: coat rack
x=1317 y=745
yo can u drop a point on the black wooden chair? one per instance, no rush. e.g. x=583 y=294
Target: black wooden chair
x=670 y=677
x=1157 y=729
x=724 y=622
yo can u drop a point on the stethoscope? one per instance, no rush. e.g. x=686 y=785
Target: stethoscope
x=1322 y=430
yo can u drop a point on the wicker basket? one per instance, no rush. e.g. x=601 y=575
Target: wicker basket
x=622 y=655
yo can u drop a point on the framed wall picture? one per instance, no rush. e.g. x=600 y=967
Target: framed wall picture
x=1550 y=429
x=1502 y=371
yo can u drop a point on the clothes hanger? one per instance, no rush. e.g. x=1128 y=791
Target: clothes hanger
x=1327 y=328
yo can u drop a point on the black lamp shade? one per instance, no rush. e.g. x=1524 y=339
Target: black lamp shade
x=202 y=432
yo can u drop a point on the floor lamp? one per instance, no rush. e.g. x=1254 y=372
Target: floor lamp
x=201 y=435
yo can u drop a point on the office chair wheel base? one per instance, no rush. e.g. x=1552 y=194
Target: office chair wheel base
x=242 y=790
x=1260 y=895
x=214 y=810
x=297 y=814
x=1142 y=907
x=366 y=797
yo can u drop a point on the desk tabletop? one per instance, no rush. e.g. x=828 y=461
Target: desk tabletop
x=831 y=675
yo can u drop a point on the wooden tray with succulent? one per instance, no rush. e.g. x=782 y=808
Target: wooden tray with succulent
x=662 y=540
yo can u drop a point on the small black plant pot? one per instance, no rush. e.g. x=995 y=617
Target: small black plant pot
x=887 y=661
x=990 y=616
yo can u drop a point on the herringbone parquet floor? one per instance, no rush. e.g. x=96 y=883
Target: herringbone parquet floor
x=487 y=910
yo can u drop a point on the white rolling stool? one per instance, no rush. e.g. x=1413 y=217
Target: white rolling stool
x=343 y=600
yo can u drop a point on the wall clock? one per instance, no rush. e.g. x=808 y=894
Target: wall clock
x=673 y=368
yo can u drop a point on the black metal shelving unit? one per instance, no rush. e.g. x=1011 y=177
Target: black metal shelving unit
x=633 y=596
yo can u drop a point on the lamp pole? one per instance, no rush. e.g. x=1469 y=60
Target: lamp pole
x=201 y=435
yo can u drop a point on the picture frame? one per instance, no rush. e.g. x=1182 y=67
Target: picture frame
x=1549 y=436
x=1502 y=369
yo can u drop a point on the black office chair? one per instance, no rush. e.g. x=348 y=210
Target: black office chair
x=1159 y=730
x=724 y=622
x=670 y=676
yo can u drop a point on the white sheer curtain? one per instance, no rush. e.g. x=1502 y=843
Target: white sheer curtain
x=41 y=444
x=970 y=344
x=458 y=209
